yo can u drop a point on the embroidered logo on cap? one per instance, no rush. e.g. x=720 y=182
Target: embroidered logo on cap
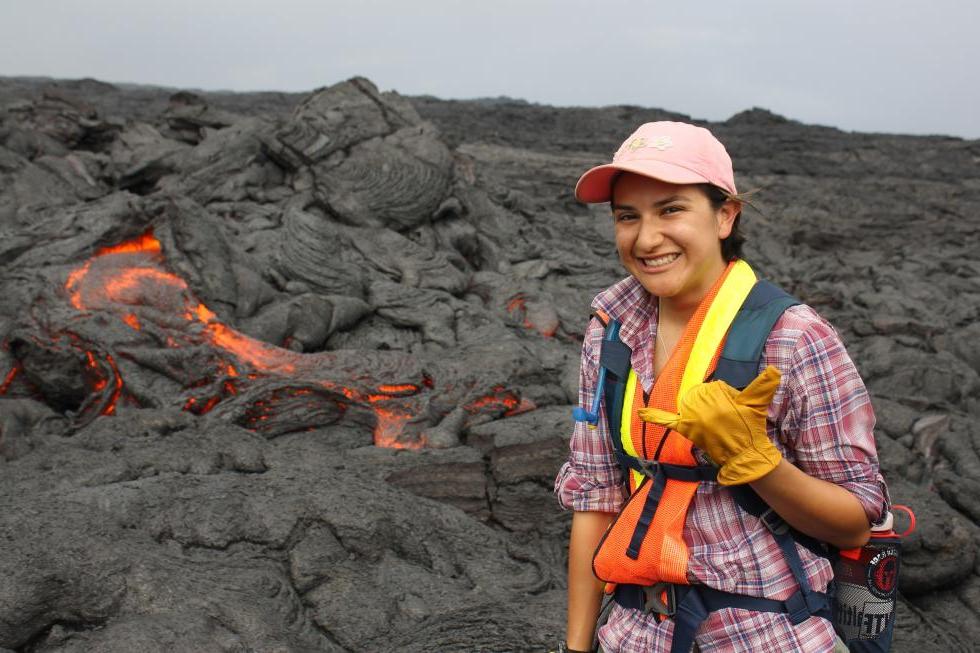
x=659 y=143
x=636 y=144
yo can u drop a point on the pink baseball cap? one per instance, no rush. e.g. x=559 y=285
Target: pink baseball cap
x=675 y=152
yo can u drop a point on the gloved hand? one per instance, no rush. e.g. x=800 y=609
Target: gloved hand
x=728 y=425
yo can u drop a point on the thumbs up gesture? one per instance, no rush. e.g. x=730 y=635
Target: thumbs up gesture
x=728 y=425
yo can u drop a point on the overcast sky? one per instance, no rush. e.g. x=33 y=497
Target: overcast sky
x=868 y=65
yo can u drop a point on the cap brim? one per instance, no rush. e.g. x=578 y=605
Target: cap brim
x=596 y=184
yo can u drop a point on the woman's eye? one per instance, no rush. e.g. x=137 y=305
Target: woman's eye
x=625 y=217
x=673 y=209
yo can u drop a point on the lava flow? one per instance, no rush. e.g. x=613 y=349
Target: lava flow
x=129 y=276
x=517 y=308
x=11 y=375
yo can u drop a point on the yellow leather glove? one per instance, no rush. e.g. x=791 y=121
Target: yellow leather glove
x=728 y=425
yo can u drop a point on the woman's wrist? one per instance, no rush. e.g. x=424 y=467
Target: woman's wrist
x=563 y=648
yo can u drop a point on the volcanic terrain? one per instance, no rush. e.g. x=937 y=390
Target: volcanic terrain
x=286 y=372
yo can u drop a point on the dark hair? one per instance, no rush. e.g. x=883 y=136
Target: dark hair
x=731 y=247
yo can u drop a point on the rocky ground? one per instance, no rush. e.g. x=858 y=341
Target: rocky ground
x=294 y=372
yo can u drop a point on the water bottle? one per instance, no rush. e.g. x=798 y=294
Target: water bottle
x=866 y=581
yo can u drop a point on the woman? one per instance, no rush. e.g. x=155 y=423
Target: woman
x=800 y=436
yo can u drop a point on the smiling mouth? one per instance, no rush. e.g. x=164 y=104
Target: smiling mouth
x=660 y=261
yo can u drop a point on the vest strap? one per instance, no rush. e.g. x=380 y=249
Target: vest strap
x=749 y=501
x=689 y=606
x=680 y=472
x=658 y=473
x=659 y=481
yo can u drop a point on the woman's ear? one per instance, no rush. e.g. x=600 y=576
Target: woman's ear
x=726 y=217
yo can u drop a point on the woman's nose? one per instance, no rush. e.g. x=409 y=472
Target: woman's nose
x=650 y=235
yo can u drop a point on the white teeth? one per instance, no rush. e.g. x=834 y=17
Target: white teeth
x=660 y=260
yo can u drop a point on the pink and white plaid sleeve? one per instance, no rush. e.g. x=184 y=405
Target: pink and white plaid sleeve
x=591 y=479
x=829 y=422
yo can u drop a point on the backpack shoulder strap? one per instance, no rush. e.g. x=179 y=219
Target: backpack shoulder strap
x=738 y=365
x=742 y=354
x=614 y=365
x=614 y=360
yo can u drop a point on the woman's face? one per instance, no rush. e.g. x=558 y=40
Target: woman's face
x=669 y=236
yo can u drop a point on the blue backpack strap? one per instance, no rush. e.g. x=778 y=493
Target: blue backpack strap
x=752 y=503
x=614 y=367
x=614 y=359
x=691 y=604
x=740 y=359
x=738 y=365
x=804 y=602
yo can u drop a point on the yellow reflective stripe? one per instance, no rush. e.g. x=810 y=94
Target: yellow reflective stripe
x=626 y=422
x=713 y=330
x=718 y=319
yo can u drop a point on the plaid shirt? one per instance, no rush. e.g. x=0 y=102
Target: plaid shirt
x=820 y=419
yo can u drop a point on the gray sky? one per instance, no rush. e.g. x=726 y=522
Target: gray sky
x=868 y=65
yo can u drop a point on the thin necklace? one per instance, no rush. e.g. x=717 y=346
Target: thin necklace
x=660 y=340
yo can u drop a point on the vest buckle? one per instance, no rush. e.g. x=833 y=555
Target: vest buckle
x=660 y=598
x=649 y=468
x=776 y=524
x=802 y=605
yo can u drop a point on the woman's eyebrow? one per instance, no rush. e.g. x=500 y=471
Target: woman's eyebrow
x=658 y=204
x=668 y=200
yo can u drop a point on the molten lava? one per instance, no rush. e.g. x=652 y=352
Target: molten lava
x=499 y=398
x=130 y=275
x=11 y=375
x=517 y=308
x=145 y=243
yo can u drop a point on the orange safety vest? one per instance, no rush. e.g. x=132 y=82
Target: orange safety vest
x=640 y=548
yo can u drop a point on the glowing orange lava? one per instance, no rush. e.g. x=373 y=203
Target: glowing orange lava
x=135 y=284
x=145 y=243
x=499 y=398
x=72 y=283
x=400 y=389
x=11 y=375
x=389 y=427
x=525 y=406
x=129 y=284
x=259 y=354
x=117 y=389
x=100 y=382
x=518 y=304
